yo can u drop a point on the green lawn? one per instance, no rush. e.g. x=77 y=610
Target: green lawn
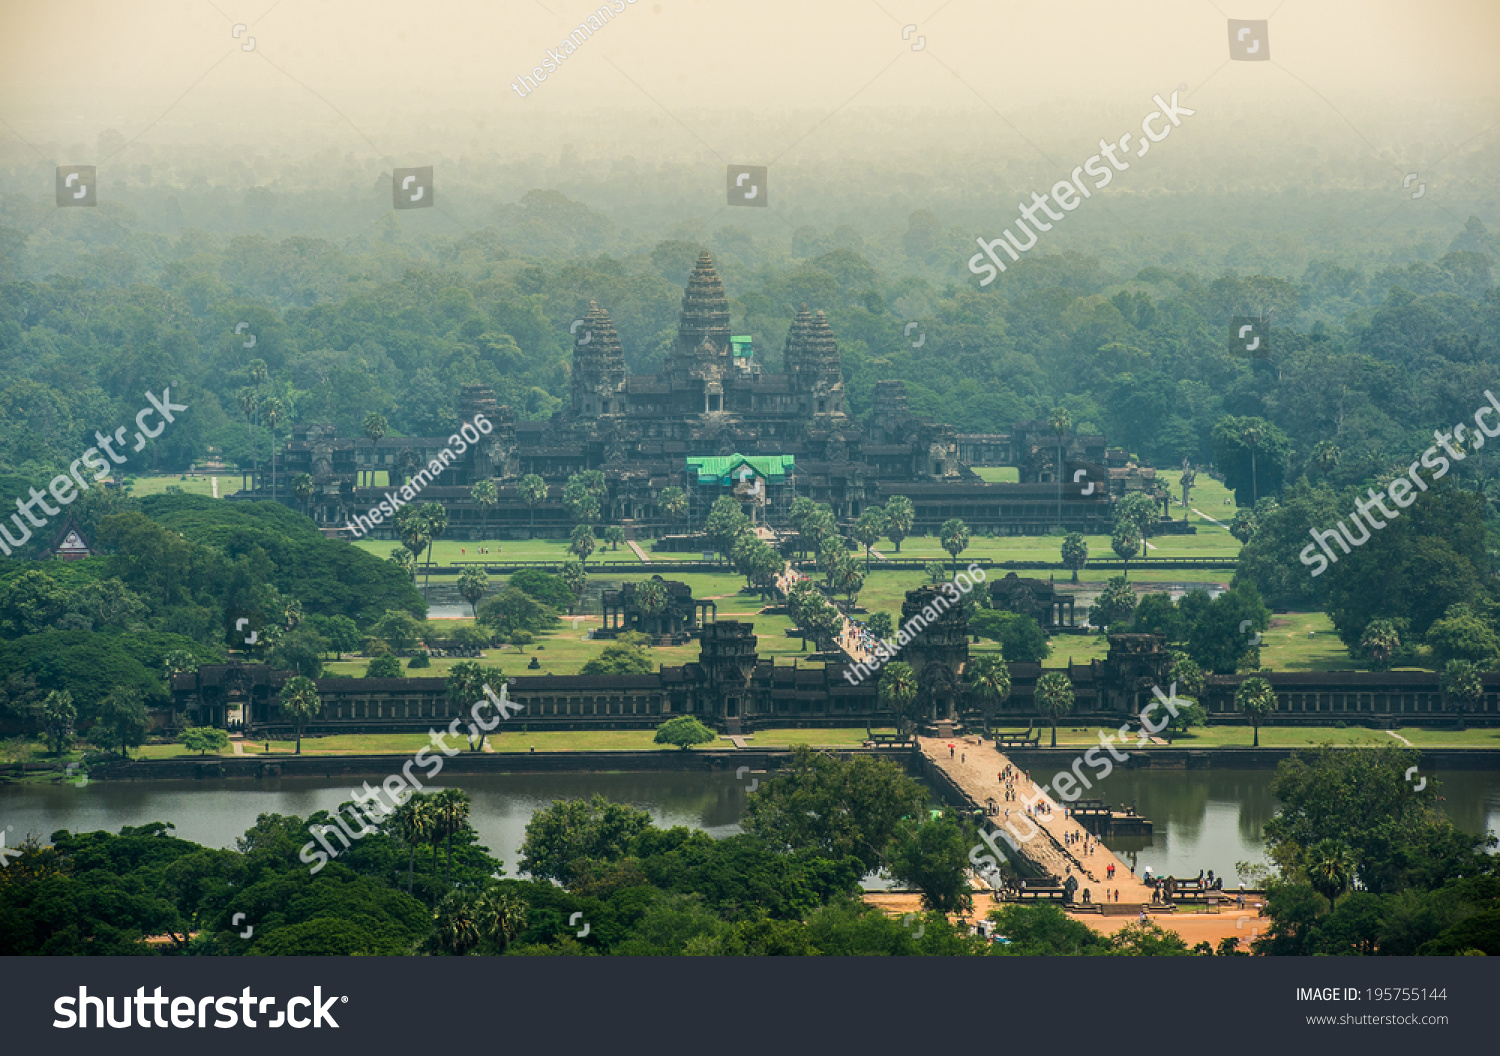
x=1279 y=737
x=447 y=551
x=157 y=484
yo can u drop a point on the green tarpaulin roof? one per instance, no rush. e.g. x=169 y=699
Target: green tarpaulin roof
x=725 y=469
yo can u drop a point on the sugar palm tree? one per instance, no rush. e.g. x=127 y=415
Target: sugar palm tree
x=533 y=492
x=1075 y=553
x=900 y=518
x=1325 y=457
x=451 y=809
x=486 y=496
x=435 y=515
x=1060 y=421
x=1330 y=869
x=954 y=538
x=898 y=691
x=500 y=916
x=413 y=825
x=1251 y=436
x=303 y=488
x=374 y=426
x=1054 y=698
x=472 y=586
x=402 y=558
x=673 y=503
x=456 y=924
x=1256 y=699
x=1126 y=544
x=250 y=408
x=990 y=678
x=581 y=543
x=300 y=702
x=414 y=532
x=275 y=412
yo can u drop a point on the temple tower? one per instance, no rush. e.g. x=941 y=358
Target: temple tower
x=812 y=361
x=598 y=382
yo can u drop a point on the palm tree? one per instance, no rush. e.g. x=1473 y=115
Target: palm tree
x=1379 y=643
x=374 y=426
x=1256 y=699
x=472 y=586
x=581 y=543
x=300 y=702
x=500 y=916
x=990 y=678
x=456 y=924
x=402 y=558
x=1126 y=544
x=954 y=537
x=869 y=528
x=900 y=518
x=533 y=492
x=275 y=412
x=1330 y=869
x=415 y=534
x=1462 y=686
x=250 y=408
x=1325 y=457
x=898 y=690
x=451 y=809
x=1054 y=698
x=413 y=824
x=1075 y=553
x=1251 y=436
x=436 y=517
x=486 y=495
x=303 y=488
x=1060 y=421
x=673 y=502
x=576 y=577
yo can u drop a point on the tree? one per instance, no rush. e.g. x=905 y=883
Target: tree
x=403 y=559
x=1253 y=455
x=340 y=632
x=450 y=813
x=1117 y=604
x=203 y=739
x=673 y=502
x=1186 y=673
x=1054 y=698
x=300 y=651
x=1075 y=553
x=869 y=528
x=1136 y=510
x=399 y=629
x=577 y=578
x=465 y=687
x=614 y=535
x=584 y=494
x=499 y=916
x=1021 y=638
x=456 y=927
x=933 y=857
x=898 y=693
x=900 y=518
x=1060 y=421
x=304 y=489
x=1156 y=613
x=954 y=537
x=581 y=543
x=1219 y=630
x=472 y=587
x=1325 y=458
x=881 y=625
x=274 y=411
x=1330 y=869
x=486 y=496
x=1460 y=635
x=565 y=839
x=684 y=732
x=511 y=608
x=1461 y=685
x=299 y=703
x=533 y=492
x=435 y=516
x=989 y=677
x=1379 y=644
x=384 y=666
x=619 y=658
x=1244 y=525
x=414 y=532
x=375 y=428
x=1256 y=699
x=833 y=809
x=122 y=722
x=413 y=824
x=58 y=716
x=1126 y=543
x=521 y=638
x=651 y=597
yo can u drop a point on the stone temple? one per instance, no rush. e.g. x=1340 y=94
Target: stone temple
x=712 y=401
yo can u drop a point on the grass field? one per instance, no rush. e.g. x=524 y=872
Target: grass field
x=513 y=738
x=201 y=484
x=1280 y=737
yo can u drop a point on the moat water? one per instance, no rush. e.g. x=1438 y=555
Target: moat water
x=1204 y=819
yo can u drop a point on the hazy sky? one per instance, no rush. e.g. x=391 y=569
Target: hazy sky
x=386 y=63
